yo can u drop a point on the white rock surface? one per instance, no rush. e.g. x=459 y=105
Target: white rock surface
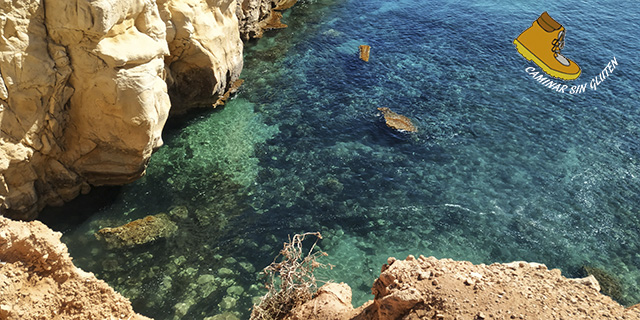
x=206 y=50
x=85 y=88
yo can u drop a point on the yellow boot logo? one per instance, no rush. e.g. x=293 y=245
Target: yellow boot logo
x=542 y=43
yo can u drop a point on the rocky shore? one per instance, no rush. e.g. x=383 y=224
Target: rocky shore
x=39 y=281
x=428 y=288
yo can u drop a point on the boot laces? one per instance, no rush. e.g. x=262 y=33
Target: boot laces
x=558 y=44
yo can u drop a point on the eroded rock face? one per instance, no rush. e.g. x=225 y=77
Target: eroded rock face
x=428 y=288
x=39 y=281
x=206 y=50
x=34 y=92
x=120 y=103
x=257 y=16
x=85 y=88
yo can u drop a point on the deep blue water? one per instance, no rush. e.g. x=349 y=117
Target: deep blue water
x=501 y=169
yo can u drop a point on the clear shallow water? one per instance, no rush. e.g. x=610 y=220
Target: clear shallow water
x=501 y=169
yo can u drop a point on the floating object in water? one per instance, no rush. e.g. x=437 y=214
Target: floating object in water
x=364 y=52
x=397 y=121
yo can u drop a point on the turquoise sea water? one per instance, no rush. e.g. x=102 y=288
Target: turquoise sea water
x=501 y=169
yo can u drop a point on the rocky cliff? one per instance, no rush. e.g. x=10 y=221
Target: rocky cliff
x=86 y=86
x=428 y=288
x=39 y=281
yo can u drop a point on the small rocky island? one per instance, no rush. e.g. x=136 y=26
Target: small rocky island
x=397 y=121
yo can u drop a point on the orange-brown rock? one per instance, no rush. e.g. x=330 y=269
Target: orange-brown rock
x=235 y=86
x=397 y=121
x=39 y=281
x=273 y=22
x=284 y=4
x=332 y=302
x=364 y=52
x=138 y=232
x=257 y=16
x=428 y=288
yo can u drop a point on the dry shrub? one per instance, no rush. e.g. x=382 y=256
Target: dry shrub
x=290 y=282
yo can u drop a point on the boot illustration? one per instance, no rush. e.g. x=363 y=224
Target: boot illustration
x=541 y=43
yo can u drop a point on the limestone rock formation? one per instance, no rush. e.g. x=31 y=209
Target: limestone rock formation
x=206 y=50
x=115 y=116
x=86 y=87
x=257 y=16
x=397 y=121
x=428 y=288
x=34 y=92
x=137 y=232
x=39 y=281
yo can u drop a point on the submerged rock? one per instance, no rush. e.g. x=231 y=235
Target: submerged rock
x=228 y=302
x=138 y=232
x=223 y=316
x=179 y=212
x=609 y=284
x=397 y=121
x=181 y=309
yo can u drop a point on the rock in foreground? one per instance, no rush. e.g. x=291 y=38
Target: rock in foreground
x=39 y=281
x=428 y=288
